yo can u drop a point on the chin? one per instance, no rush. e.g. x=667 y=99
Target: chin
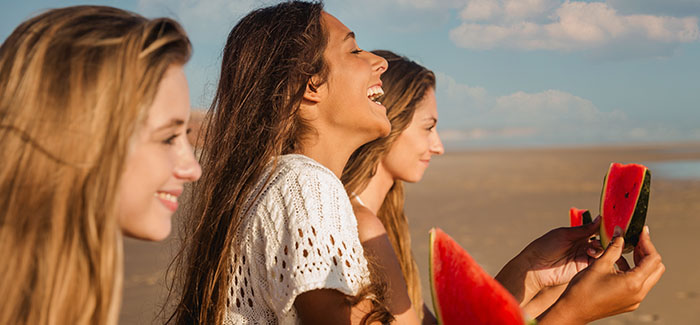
x=155 y=230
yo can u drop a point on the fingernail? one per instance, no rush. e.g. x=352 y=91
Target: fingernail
x=646 y=229
x=617 y=232
x=592 y=251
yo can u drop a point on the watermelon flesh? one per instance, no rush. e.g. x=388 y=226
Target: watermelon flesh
x=579 y=217
x=463 y=293
x=624 y=202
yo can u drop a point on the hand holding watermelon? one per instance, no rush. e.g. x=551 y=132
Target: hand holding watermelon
x=549 y=261
x=583 y=301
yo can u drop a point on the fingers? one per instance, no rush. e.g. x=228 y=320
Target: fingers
x=595 y=249
x=588 y=230
x=622 y=264
x=613 y=252
x=645 y=247
x=653 y=278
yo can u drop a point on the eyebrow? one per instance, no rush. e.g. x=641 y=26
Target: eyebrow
x=431 y=118
x=171 y=124
x=348 y=36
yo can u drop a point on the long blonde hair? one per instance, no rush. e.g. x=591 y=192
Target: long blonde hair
x=75 y=84
x=405 y=84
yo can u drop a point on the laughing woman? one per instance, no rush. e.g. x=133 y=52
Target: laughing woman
x=273 y=238
x=93 y=111
x=374 y=178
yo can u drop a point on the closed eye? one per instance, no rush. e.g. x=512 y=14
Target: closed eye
x=357 y=51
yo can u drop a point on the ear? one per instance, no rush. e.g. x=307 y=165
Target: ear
x=312 y=94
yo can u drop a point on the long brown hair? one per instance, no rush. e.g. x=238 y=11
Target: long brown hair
x=405 y=84
x=270 y=57
x=75 y=84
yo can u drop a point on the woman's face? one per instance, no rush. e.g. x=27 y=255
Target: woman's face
x=160 y=161
x=353 y=83
x=410 y=153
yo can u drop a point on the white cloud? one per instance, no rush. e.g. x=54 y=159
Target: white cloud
x=469 y=113
x=677 y=8
x=568 y=26
x=202 y=18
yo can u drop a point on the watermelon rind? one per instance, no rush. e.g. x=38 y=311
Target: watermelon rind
x=636 y=223
x=431 y=272
x=585 y=217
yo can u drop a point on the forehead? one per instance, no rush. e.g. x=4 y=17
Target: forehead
x=428 y=105
x=336 y=29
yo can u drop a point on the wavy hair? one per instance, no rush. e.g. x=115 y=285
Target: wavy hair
x=270 y=57
x=405 y=84
x=75 y=84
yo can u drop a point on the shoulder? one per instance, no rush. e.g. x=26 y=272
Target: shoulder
x=368 y=224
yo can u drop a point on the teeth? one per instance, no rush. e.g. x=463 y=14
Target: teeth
x=375 y=93
x=166 y=196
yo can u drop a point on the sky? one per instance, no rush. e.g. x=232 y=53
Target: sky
x=514 y=73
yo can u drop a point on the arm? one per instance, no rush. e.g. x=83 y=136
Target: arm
x=378 y=246
x=583 y=302
x=428 y=317
x=550 y=260
x=543 y=300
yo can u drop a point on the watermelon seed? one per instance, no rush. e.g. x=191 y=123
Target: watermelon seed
x=613 y=207
x=627 y=195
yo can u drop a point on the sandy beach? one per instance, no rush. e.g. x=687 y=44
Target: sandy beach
x=494 y=202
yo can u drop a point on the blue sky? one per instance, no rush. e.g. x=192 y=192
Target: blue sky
x=510 y=72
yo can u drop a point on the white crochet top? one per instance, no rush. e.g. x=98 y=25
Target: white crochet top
x=300 y=234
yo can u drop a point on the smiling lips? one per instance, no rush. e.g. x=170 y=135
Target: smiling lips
x=168 y=199
x=374 y=93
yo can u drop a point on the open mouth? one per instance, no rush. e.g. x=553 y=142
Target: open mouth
x=167 y=199
x=374 y=93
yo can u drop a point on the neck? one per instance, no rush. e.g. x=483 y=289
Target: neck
x=331 y=154
x=377 y=188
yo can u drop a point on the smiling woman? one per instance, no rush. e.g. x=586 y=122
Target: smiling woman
x=272 y=237
x=87 y=96
x=159 y=162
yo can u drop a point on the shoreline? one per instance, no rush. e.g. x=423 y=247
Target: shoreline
x=493 y=203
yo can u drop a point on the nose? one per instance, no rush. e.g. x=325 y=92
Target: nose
x=379 y=64
x=187 y=168
x=436 y=146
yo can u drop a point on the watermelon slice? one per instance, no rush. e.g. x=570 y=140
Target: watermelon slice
x=463 y=293
x=623 y=202
x=579 y=217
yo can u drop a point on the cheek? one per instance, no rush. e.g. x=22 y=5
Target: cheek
x=139 y=212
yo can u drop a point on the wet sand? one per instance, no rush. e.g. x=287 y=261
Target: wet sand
x=494 y=202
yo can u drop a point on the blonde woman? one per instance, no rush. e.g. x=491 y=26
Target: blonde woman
x=93 y=116
x=374 y=175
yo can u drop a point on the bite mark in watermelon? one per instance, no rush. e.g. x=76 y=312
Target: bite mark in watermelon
x=463 y=293
x=579 y=217
x=623 y=202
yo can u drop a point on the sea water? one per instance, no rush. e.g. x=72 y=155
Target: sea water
x=675 y=169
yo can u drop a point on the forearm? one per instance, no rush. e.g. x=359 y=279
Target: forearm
x=543 y=300
x=562 y=312
x=517 y=277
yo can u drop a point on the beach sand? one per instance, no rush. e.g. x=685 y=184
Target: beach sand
x=494 y=202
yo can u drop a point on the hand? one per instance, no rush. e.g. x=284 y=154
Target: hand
x=625 y=288
x=561 y=253
x=550 y=260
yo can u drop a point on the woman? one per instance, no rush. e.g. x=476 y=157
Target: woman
x=93 y=114
x=273 y=238
x=374 y=176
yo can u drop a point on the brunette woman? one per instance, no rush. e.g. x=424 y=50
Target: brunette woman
x=273 y=238
x=93 y=111
x=374 y=177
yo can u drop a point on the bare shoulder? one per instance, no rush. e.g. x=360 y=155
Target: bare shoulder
x=368 y=225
